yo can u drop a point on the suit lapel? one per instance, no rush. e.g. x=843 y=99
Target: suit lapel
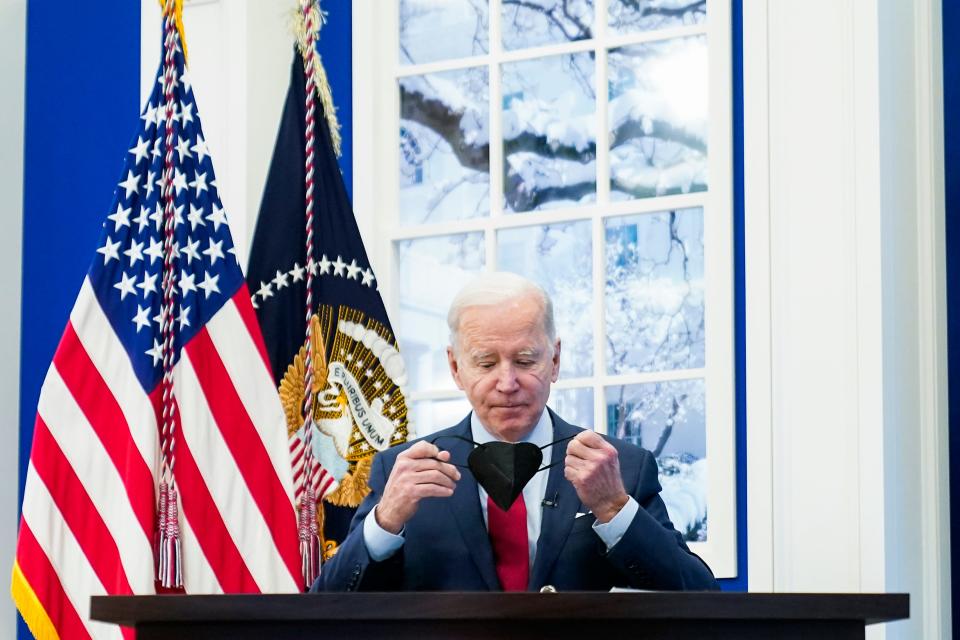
x=465 y=506
x=556 y=522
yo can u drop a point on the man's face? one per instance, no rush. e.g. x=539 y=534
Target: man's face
x=504 y=363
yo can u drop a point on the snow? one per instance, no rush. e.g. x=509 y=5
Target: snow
x=684 y=493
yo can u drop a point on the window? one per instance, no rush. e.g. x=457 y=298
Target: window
x=584 y=144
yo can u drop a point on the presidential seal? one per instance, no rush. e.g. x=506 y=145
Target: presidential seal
x=359 y=406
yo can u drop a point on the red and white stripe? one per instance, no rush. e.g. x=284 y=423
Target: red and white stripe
x=89 y=503
x=323 y=482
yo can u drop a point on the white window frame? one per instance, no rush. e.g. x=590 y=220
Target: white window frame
x=376 y=187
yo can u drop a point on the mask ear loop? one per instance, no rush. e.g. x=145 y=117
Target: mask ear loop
x=462 y=466
x=553 y=464
x=482 y=446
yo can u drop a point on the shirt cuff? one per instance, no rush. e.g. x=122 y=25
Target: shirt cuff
x=380 y=543
x=611 y=532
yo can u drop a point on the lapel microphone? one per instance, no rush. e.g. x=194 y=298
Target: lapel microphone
x=553 y=504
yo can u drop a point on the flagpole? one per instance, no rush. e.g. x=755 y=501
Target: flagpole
x=309 y=531
x=170 y=570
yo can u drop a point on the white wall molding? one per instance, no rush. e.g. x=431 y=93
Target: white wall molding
x=759 y=362
x=13 y=26
x=369 y=41
x=933 y=417
x=846 y=324
x=239 y=60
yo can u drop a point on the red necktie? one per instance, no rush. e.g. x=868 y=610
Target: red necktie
x=508 y=537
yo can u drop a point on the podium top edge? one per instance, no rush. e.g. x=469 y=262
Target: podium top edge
x=869 y=608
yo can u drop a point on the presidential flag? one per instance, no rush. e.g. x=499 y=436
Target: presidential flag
x=90 y=510
x=358 y=376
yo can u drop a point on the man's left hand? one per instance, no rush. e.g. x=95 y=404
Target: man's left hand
x=593 y=468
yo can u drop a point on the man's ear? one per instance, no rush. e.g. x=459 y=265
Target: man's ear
x=454 y=367
x=555 y=362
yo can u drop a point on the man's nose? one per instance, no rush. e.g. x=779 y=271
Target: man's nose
x=507 y=378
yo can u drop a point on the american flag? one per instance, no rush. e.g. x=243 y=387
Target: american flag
x=89 y=516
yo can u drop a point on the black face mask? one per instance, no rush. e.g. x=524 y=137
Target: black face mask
x=503 y=469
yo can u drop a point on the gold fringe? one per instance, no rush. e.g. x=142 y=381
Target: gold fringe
x=330 y=549
x=319 y=73
x=353 y=488
x=178 y=18
x=291 y=387
x=30 y=608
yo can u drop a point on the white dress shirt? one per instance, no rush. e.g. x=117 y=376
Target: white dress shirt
x=381 y=544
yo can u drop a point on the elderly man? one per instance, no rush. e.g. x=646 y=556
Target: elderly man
x=593 y=521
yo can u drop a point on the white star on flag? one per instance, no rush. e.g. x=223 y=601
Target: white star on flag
x=149 y=284
x=140 y=150
x=184 y=318
x=183 y=148
x=179 y=181
x=135 y=252
x=214 y=251
x=126 y=285
x=218 y=217
x=353 y=270
x=200 y=148
x=131 y=184
x=109 y=251
x=190 y=250
x=195 y=217
x=186 y=283
x=209 y=284
x=339 y=266
x=120 y=217
x=324 y=265
x=155 y=250
x=199 y=182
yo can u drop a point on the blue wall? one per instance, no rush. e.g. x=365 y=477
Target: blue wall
x=82 y=89
x=336 y=52
x=951 y=122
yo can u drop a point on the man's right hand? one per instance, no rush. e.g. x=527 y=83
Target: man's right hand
x=422 y=471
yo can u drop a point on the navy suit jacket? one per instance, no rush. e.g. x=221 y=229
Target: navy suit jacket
x=447 y=548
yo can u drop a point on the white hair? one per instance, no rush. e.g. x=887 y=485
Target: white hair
x=496 y=288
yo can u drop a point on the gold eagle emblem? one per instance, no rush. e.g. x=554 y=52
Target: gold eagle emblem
x=359 y=405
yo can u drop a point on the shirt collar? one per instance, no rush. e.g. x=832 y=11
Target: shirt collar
x=541 y=435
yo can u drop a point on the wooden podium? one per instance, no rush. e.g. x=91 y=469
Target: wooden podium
x=551 y=616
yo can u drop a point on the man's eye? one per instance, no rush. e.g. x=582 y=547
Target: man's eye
x=526 y=363
x=486 y=365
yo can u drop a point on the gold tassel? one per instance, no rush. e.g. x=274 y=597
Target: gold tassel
x=319 y=73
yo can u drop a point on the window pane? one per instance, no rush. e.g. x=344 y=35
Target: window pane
x=654 y=291
x=444 y=146
x=667 y=418
x=629 y=16
x=573 y=405
x=549 y=134
x=529 y=23
x=431 y=271
x=433 y=415
x=558 y=258
x=432 y=30
x=658 y=118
